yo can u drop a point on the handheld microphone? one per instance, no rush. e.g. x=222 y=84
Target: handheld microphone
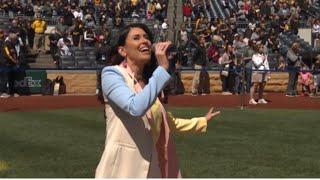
x=170 y=49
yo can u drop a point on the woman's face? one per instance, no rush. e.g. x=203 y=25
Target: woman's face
x=137 y=47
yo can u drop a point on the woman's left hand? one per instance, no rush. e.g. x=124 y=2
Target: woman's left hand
x=211 y=114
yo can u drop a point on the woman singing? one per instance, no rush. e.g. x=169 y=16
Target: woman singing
x=138 y=128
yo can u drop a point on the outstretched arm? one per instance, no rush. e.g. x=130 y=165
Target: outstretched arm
x=194 y=125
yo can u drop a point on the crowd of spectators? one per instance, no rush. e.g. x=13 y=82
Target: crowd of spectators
x=59 y=27
x=232 y=42
x=264 y=21
x=83 y=22
x=101 y=9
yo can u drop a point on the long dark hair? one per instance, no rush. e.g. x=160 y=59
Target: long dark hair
x=117 y=59
x=120 y=40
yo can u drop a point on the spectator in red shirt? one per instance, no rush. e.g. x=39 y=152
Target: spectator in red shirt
x=213 y=52
x=246 y=6
x=187 y=10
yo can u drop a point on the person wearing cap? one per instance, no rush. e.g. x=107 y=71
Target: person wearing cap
x=199 y=60
x=54 y=50
x=9 y=49
x=247 y=63
x=3 y=68
x=39 y=27
x=10 y=55
x=77 y=33
x=294 y=64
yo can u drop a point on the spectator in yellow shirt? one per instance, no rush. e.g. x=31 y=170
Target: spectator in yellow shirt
x=134 y=2
x=39 y=27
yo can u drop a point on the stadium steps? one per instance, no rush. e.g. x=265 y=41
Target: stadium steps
x=225 y=11
x=172 y=19
x=43 y=61
x=218 y=10
x=233 y=5
x=206 y=9
x=177 y=10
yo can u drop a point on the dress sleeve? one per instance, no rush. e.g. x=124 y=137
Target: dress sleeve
x=193 y=125
x=116 y=90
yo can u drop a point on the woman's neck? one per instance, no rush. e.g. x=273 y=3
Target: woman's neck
x=136 y=70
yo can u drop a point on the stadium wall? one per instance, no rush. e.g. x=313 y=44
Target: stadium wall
x=277 y=83
x=78 y=81
x=84 y=82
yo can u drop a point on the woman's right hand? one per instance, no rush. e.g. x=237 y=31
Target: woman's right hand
x=161 y=54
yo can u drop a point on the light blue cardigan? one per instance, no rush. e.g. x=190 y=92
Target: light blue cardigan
x=116 y=90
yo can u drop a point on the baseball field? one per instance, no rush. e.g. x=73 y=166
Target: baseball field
x=61 y=137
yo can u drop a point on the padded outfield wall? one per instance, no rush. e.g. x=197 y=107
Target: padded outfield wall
x=84 y=81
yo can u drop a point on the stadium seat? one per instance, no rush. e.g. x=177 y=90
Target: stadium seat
x=89 y=49
x=91 y=52
x=78 y=53
x=82 y=62
x=75 y=48
x=92 y=58
x=66 y=62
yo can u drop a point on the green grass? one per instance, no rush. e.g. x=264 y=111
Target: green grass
x=253 y=143
x=248 y=143
x=60 y=143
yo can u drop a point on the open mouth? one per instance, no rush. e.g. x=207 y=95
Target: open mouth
x=144 y=49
